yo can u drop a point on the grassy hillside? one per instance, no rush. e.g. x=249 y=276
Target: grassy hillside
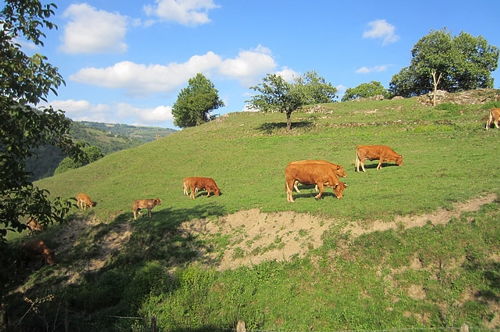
x=107 y=137
x=436 y=275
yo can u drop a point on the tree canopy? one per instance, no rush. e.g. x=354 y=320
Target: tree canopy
x=195 y=102
x=90 y=154
x=26 y=81
x=365 y=90
x=441 y=61
x=275 y=94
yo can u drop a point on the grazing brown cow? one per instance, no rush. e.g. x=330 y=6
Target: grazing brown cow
x=193 y=184
x=318 y=174
x=381 y=153
x=38 y=248
x=493 y=118
x=144 y=204
x=83 y=201
x=34 y=225
x=338 y=169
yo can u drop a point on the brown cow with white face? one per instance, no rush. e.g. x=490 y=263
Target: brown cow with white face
x=494 y=118
x=381 y=153
x=191 y=185
x=83 y=201
x=318 y=174
x=338 y=169
x=148 y=204
x=38 y=249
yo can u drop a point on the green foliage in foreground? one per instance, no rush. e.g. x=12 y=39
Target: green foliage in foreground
x=433 y=276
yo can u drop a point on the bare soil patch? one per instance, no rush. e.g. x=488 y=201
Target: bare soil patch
x=252 y=237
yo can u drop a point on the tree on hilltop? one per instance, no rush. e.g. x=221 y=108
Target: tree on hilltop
x=275 y=94
x=441 y=61
x=26 y=81
x=195 y=102
x=365 y=90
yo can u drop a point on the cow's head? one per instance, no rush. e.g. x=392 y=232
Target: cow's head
x=157 y=201
x=217 y=191
x=399 y=160
x=341 y=171
x=339 y=189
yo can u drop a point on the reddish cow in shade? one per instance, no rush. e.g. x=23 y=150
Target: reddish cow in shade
x=493 y=118
x=191 y=186
x=382 y=153
x=149 y=204
x=318 y=174
x=83 y=201
x=34 y=225
x=338 y=169
x=38 y=249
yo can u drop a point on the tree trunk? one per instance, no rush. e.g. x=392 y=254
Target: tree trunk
x=435 y=82
x=288 y=120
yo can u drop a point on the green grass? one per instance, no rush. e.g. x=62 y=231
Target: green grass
x=365 y=283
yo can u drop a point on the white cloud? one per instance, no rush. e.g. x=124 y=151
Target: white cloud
x=249 y=65
x=288 y=74
x=374 y=69
x=83 y=110
x=341 y=88
x=93 y=31
x=187 y=12
x=140 y=79
x=381 y=29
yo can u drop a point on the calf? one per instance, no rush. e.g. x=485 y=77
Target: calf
x=338 y=169
x=38 y=248
x=493 y=118
x=373 y=152
x=144 y=204
x=318 y=174
x=34 y=226
x=83 y=201
x=191 y=186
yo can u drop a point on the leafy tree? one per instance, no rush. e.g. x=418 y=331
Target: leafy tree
x=194 y=103
x=315 y=89
x=365 y=90
x=449 y=63
x=90 y=154
x=277 y=95
x=26 y=81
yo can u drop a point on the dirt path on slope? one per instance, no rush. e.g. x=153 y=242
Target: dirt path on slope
x=253 y=237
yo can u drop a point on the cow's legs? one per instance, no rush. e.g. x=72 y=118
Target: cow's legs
x=320 y=187
x=380 y=161
x=289 y=186
x=295 y=183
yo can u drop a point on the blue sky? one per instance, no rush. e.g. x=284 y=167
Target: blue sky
x=126 y=61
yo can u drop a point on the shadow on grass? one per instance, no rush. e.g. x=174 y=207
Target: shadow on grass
x=136 y=266
x=311 y=195
x=159 y=237
x=374 y=166
x=269 y=127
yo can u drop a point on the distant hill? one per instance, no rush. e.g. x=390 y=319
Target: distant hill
x=108 y=137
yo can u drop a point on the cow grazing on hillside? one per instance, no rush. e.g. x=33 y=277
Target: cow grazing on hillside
x=191 y=186
x=382 y=153
x=83 y=201
x=34 y=226
x=318 y=174
x=494 y=118
x=39 y=250
x=149 y=204
x=338 y=169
